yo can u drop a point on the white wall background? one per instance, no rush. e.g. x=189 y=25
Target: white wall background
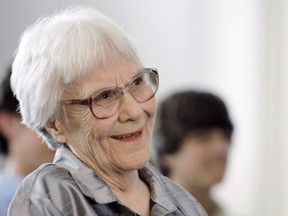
x=235 y=48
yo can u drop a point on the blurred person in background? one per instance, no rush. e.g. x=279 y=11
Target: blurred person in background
x=192 y=137
x=22 y=147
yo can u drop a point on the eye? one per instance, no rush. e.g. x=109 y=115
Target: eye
x=138 y=81
x=104 y=97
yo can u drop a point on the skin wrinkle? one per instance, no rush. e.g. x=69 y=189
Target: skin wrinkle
x=77 y=112
x=100 y=151
x=114 y=156
x=111 y=153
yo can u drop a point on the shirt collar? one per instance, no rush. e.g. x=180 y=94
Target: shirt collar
x=159 y=193
x=89 y=183
x=94 y=187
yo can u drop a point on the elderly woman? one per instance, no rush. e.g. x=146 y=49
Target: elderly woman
x=81 y=86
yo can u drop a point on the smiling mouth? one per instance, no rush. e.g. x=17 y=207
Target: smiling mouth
x=128 y=137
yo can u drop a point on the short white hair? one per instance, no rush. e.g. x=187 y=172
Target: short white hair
x=58 y=50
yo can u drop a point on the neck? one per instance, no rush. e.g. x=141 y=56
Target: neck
x=123 y=182
x=136 y=196
x=131 y=191
x=127 y=186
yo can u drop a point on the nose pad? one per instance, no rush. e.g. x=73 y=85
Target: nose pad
x=126 y=89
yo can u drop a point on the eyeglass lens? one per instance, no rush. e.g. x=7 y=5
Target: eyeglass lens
x=142 y=88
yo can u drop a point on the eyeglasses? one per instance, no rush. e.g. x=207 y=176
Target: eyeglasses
x=105 y=103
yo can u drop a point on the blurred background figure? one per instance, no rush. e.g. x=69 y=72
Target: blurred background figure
x=23 y=149
x=193 y=136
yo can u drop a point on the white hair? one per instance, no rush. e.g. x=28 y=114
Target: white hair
x=58 y=50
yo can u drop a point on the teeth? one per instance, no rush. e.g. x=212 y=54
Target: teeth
x=125 y=136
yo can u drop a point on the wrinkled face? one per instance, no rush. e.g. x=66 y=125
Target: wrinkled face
x=115 y=144
x=201 y=161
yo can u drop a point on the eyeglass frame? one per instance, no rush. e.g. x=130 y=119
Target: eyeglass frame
x=124 y=89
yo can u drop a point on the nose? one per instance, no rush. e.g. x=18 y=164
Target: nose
x=130 y=109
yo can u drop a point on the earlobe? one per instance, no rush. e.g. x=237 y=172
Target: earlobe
x=56 y=129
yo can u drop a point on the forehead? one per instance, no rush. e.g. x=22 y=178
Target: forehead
x=104 y=77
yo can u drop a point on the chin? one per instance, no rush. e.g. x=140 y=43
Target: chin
x=138 y=162
x=216 y=179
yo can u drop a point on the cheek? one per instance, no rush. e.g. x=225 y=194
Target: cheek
x=97 y=132
x=90 y=141
x=191 y=157
x=78 y=118
x=150 y=109
x=75 y=111
x=194 y=156
x=79 y=126
x=153 y=107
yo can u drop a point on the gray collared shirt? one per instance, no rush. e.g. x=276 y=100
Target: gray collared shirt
x=69 y=187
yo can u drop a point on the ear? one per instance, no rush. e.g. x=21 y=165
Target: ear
x=57 y=130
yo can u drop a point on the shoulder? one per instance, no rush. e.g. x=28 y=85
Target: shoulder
x=43 y=183
x=50 y=189
x=42 y=179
